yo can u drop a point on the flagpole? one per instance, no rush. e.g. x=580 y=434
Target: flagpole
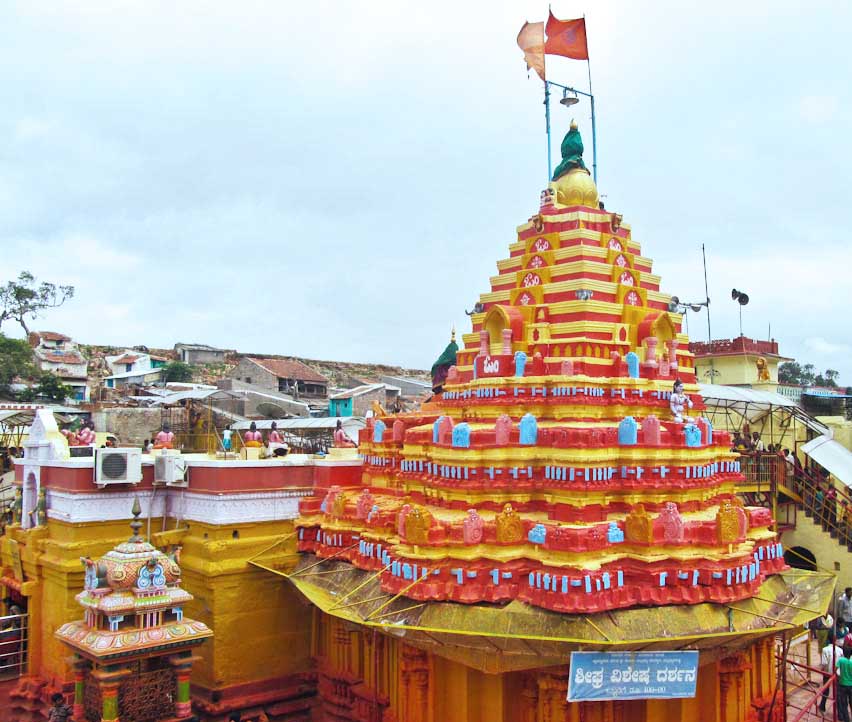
x=547 y=125
x=592 y=100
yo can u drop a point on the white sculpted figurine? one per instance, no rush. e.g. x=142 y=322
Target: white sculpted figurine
x=678 y=402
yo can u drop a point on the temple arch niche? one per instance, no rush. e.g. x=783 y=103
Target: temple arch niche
x=498 y=319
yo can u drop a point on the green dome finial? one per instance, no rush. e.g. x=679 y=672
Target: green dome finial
x=572 y=152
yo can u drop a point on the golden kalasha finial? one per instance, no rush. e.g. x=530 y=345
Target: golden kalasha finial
x=573 y=124
x=453 y=334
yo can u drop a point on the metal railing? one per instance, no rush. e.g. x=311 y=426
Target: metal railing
x=804 y=696
x=769 y=474
x=13 y=645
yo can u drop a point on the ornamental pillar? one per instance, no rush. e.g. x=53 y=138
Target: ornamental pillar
x=731 y=671
x=80 y=668
x=507 y=341
x=109 y=702
x=552 y=697
x=673 y=346
x=483 y=343
x=529 y=700
x=182 y=664
x=651 y=351
x=109 y=680
x=415 y=674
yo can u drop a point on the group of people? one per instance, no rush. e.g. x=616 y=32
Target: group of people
x=835 y=640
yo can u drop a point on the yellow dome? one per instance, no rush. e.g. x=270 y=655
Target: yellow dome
x=576 y=188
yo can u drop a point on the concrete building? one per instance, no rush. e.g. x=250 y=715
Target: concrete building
x=282 y=375
x=409 y=386
x=199 y=353
x=258 y=402
x=134 y=367
x=58 y=354
x=740 y=361
x=359 y=401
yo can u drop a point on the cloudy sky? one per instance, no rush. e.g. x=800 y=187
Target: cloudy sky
x=336 y=179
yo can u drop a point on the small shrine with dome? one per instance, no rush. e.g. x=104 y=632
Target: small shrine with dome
x=133 y=647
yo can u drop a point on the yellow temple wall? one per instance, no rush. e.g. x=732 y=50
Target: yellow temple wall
x=738 y=370
x=841 y=429
x=261 y=628
x=830 y=555
x=423 y=687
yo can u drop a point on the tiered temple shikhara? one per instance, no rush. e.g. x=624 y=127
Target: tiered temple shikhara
x=550 y=470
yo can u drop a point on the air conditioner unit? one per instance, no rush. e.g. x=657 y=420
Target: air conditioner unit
x=118 y=466
x=170 y=468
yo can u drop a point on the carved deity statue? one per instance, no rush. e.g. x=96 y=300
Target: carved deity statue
x=473 y=527
x=509 y=526
x=638 y=526
x=727 y=523
x=417 y=524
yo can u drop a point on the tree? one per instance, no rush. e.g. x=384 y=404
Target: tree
x=178 y=371
x=16 y=361
x=25 y=298
x=49 y=387
x=790 y=373
x=831 y=377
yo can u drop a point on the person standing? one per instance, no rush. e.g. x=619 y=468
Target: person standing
x=60 y=712
x=831 y=652
x=757 y=442
x=844 y=686
x=844 y=607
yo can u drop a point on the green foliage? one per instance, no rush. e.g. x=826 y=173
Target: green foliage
x=796 y=374
x=178 y=371
x=49 y=387
x=16 y=361
x=25 y=298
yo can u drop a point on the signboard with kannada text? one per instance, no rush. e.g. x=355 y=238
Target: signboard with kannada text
x=599 y=676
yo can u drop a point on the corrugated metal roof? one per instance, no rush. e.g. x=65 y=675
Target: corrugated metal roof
x=194 y=394
x=832 y=455
x=742 y=393
x=325 y=422
x=131 y=374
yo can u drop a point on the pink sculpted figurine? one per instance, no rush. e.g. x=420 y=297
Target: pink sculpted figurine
x=340 y=437
x=253 y=437
x=86 y=435
x=164 y=439
x=274 y=436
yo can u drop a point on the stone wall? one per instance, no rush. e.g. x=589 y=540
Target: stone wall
x=131 y=426
x=249 y=372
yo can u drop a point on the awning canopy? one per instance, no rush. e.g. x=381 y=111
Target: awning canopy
x=748 y=405
x=831 y=455
x=744 y=395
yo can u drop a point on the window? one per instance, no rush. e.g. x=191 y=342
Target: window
x=128 y=367
x=248 y=379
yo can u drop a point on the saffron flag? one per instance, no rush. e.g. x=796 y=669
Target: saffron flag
x=531 y=41
x=567 y=38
